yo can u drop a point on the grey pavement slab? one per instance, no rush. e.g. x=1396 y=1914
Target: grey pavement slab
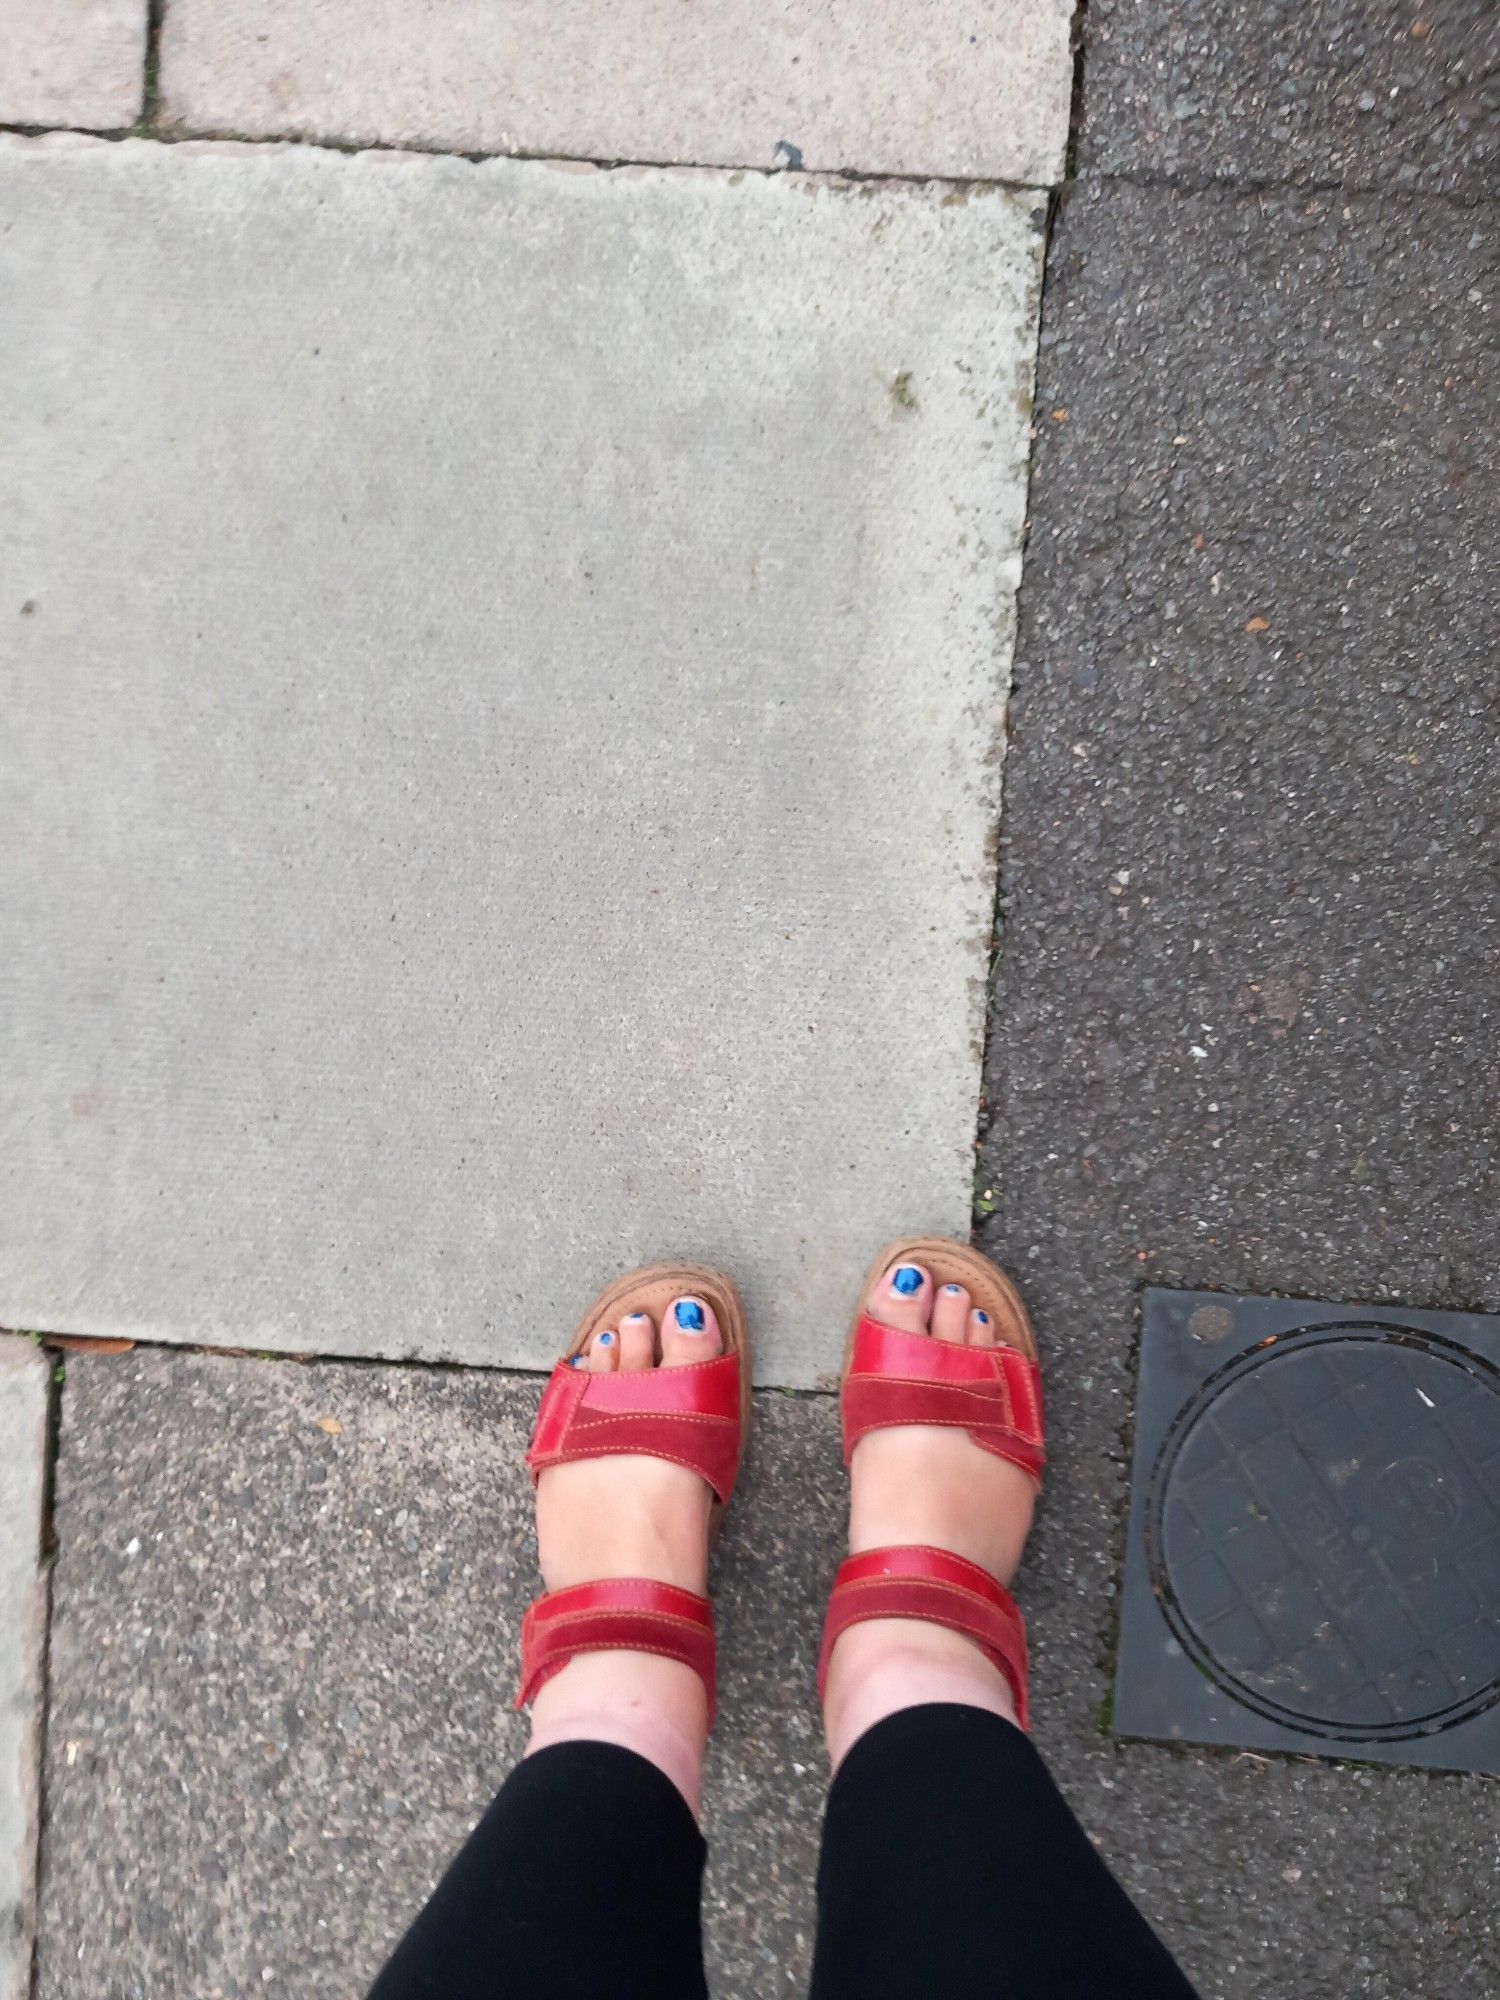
x=72 y=62
x=1362 y=93
x=23 y=1614
x=1243 y=1033
x=505 y=674
x=861 y=85
x=283 y=1662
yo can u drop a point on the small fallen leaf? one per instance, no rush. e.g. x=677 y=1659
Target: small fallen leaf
x=1257 y=625
x=88 y=1343
x=1419 y=29
x=1059 y=416
x=332 y=1425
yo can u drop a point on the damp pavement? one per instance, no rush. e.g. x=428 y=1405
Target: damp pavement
x=1240 y=1037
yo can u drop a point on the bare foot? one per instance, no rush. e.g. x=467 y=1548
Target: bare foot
x=630 y=1516
x=924 y=1483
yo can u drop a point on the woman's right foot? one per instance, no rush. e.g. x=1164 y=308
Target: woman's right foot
x=925 y=1484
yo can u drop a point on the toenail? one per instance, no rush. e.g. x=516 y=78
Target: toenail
x=689 y=1314
x=606 y=1340
x=576 y=1362
x=983 y=1318
x=953 y=1288
x=633 y=1316
x=907 y=1280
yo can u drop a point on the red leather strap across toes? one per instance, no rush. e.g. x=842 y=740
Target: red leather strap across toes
x=690 y=1415
x=935 y=1585
x=994 y=1393
x=620 y=1614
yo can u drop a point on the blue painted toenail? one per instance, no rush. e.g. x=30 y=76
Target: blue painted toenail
x=907 y=1280
x=953 y=1288
x=690 y=1315
x=576 y=1362
x=606 y=1340
x=634 y=1316
x=983 y=1318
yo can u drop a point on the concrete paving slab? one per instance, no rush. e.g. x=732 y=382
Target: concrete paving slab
x=1364 y=93
x=1244 y=1030
x=72 y=62
x=283 y=1662
x=23 y=1614
x=505 y=675
x=849 y=85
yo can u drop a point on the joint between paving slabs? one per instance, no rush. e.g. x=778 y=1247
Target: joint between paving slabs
x=47 y=1549
x=151 y=79
x=150 y=126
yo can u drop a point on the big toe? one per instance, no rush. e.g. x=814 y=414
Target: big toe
x=689 y=1332
x=902 y=1297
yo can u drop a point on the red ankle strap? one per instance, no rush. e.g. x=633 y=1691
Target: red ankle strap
x=619 y=1614
x=939 y=1587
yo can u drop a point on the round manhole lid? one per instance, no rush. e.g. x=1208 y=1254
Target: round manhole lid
x=1323 y=1538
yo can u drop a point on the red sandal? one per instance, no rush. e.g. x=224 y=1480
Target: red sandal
x=995 y=1394
x=697 y=1415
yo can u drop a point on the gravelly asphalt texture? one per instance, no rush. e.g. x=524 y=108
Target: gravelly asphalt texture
x=1401 y=94
x=283 y=1660
x=1244 y=1030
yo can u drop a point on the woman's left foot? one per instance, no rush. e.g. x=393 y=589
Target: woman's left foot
x=630 y=1516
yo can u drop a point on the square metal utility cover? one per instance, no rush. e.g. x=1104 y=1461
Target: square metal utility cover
x=1314 y=1552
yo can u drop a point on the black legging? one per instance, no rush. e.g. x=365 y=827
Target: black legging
x=952 y=1870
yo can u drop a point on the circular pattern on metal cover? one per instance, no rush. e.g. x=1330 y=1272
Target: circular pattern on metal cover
x=1323 y=1529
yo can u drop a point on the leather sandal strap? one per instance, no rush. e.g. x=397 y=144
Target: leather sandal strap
x=940 y=1588
x=993 y=1393
x=690 y=1415
x=619 y=1614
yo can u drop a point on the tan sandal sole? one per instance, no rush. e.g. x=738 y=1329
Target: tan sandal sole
x=953 y=1263
x=652 y=1289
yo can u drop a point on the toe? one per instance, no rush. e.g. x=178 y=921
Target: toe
x=689 y=1332
x=637 y=1342
x=601 y=1356
x=981 y=1329
x=950 y=1313
x=902 y=1297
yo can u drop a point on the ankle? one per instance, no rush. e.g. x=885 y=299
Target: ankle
x=656 y=1707
x=888 y=1664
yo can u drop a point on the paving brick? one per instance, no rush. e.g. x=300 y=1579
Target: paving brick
x=505 y=677
x=23 y=1611
x=72 y=62
x=867 y=85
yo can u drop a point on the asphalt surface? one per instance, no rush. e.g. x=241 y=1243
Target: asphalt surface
x=1243 y=1031
x=1401 y=94
x=283 y=1657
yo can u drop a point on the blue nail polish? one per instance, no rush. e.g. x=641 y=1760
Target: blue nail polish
x=907 y=1280
x=606 y=1340
x=983 y=1318
x=576 y=1362
x=634 y=1316
x=689 y=1314
x=953 y=1288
